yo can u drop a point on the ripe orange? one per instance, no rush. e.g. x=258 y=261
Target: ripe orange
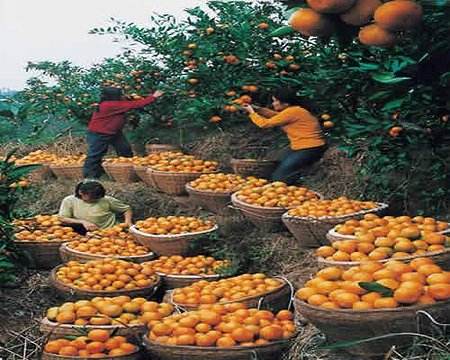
x=52 y=347
x=311 y=23
x=271 y=332
x=362 y=305
x=68 y=351
x=406 y=295
x=398 y=15
x=439 y=291
x=98 y=335
x=225 y=341
x=374 y=35
x=360 y=13
x=242 y=334
x=330 y=6
x=346 y=299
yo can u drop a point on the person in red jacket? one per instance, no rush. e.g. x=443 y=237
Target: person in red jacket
x=105 y=128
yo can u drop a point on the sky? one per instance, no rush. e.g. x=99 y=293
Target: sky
x=57 y=30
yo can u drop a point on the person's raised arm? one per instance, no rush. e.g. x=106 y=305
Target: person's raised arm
x=282 y=118
x=136 y=104
x=128 y=215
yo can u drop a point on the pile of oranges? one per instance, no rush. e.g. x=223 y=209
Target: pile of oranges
x=331 y=208
x=275 y=194
x=111 y=247
x=368 y=247
x=219 y=182
x=37 y=157
x=43 y=228
x=97 y=344
x=419 y=282
x=186 y=164
x=195 y=265
x=173 y=225
x=118 y=160
x=109 y=311
x=157 y=158
x=105 y=275
x=223 y=326
x=226 y=290
x=381 y=226
x=70 y=160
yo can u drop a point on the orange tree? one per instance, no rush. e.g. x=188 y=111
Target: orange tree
x=390 y=107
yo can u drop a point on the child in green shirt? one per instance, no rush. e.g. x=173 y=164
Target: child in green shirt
x=92 y=208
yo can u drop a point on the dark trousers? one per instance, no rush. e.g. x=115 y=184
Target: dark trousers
x=98 y=147
x=294 y=161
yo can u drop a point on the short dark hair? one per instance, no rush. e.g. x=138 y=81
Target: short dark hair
x=93 y=188
x=111 y=94
x=287 y=95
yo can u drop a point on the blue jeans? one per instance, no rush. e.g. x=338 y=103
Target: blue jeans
x=291 y=166
x=98 y=147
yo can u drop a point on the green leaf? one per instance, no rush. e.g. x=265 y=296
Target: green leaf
x=282 y=31
x=393 y=104
x=376 y=287
x=388 y=78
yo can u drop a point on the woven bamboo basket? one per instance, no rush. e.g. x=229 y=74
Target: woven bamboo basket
x=156 y=148
x=172 y=183
x=251 y=167
x=41 y=174
x=311 y=232
x=74 y=172
x=68 y=254
x=59 y=171
x=168 y=245
x=274 y=300
x=141 y=172
x=55 y=330
x=121 y=173
x=348 y=325
x=137 y=355
x=441 y=258
x=177 y=281
x=74 y=293
x=209 y=200
x=271 y=351
x=42 y=254
x=333 y=235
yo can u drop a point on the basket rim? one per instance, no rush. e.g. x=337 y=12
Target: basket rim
x=106 y=357
x=371 y=311
x=254 y=161
x=333 y=232
x=322 y=260
x=285 y=284
x=65 y=246
x=149 y=342
x=189 y=188
x=46 y=322
x=130 y=164
x=175 y=173
x=35 y=242
x=56 y=166
x=381 y=206
x=188 y=277
x=94 y=292
x=133 y=229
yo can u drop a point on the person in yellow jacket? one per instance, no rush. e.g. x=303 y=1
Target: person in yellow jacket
x=307 y=142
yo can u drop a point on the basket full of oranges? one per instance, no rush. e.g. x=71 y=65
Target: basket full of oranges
x=375 y=299
x=171 y=177
x=104 y=277
x=115 y=242
x=171 y=235
x=222 y=332
x=121 y=169
x=40 y=238
x=213 y=191
x=178 y=271
x=41 y=157
x=253 y=290
x=253 y=167
x=98 y=343
x=69 y=167
x=122 y=314
x=264 y=203
x=310 y=221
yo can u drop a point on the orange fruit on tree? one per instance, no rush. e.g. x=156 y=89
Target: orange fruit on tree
x=330 y=6
x=311 y=23
x=360 y=13
x=374 y=35
x=398 y=15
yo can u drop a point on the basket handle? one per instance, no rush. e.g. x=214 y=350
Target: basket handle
x=427 y=315
x=291 y=290
x=179 y=309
